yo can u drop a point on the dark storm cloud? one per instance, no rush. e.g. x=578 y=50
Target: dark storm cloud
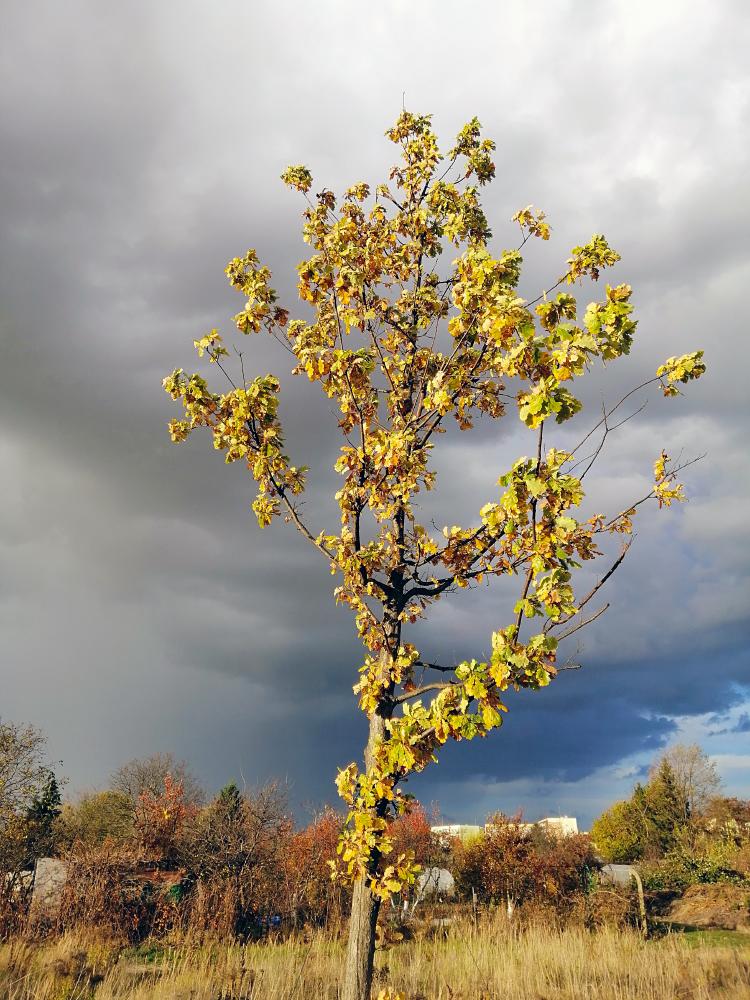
x=140 y=607
x=742 y=725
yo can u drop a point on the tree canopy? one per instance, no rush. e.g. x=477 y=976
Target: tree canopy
x=402 y=343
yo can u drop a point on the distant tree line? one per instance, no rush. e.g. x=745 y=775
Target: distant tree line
x=152 y=853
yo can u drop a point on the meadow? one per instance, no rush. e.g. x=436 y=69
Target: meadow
x=469 y=960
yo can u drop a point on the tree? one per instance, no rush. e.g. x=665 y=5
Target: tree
x=40 y=820
x=229 y=803
x=29 y=796
x=723 y=810
x=695 y=774
x=648 y=824
x=159 y=820
x=403 y=346
x=666 y=809
x=618 y=834
x=24 y=772
x=309 y=891
x=567 y=864
x=412 y=835
x=147 y=774
x=501 y=866
x=97 y=817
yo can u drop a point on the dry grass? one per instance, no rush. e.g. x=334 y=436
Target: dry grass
x=490 y=960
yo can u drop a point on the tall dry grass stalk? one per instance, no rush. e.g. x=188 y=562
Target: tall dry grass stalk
x=491 y=959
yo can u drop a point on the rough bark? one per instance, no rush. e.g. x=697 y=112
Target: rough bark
x=364 y=913
x=361 y=949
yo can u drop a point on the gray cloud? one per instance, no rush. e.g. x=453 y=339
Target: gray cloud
x=140 y=607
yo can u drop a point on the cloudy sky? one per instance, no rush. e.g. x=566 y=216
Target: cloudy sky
x=140 y=607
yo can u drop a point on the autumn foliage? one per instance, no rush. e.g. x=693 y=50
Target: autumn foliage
x=160 y=819
x=402 y=342
x=402 y=345
x=511 y=863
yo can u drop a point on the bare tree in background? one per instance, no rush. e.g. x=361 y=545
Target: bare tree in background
x=147 y=774
x=695 y=774
x=23 y=767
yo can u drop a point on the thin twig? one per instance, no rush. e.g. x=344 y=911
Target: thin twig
x=562 y=621
x=583 y=624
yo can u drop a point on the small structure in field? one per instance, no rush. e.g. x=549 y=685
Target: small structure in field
x=435 y=882
x=616 y=874
x=50 y=876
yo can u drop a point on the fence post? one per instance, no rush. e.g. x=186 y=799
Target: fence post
x=641 y=902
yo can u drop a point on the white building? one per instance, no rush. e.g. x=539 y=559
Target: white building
x=462 y=831
x=558 y=826
x=561 y=826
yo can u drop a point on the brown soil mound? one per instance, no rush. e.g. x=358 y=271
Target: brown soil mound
x=722 y=906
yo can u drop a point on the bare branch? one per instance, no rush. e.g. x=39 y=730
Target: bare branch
x=434 y=666
x=292 y=511
x=242 y=367
x=608 y=430
x=652 y=493
x=608 y=413
x=562 y=621
x=582 y=624
x=547 y=291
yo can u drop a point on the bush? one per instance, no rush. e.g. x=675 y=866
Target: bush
x=96 y=817
x=160 y=819
x=99 y=891
x=706 y=860
x=311 y=894
x=513 y=865
x=234 y=852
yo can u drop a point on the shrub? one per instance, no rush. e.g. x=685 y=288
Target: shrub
x=234 y=853
x=96 y=817
x=705 y=860
x=512 y=865
x=160 y=819
x=311 y=895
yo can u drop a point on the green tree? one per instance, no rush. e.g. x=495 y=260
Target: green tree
x=41 y=817
x=229 y=803
x=666 y=810
x=402 y=343
x=96 y=817
x=618 y=834
x=648 y=824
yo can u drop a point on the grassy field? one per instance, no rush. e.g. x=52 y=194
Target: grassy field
x=489 y=960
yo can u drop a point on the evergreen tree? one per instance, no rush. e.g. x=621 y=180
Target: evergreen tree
x=666 y=809
x=40 y=818
x=229 y=802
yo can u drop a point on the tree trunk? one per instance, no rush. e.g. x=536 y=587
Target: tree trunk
x=365 y=907
x=361 y=949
